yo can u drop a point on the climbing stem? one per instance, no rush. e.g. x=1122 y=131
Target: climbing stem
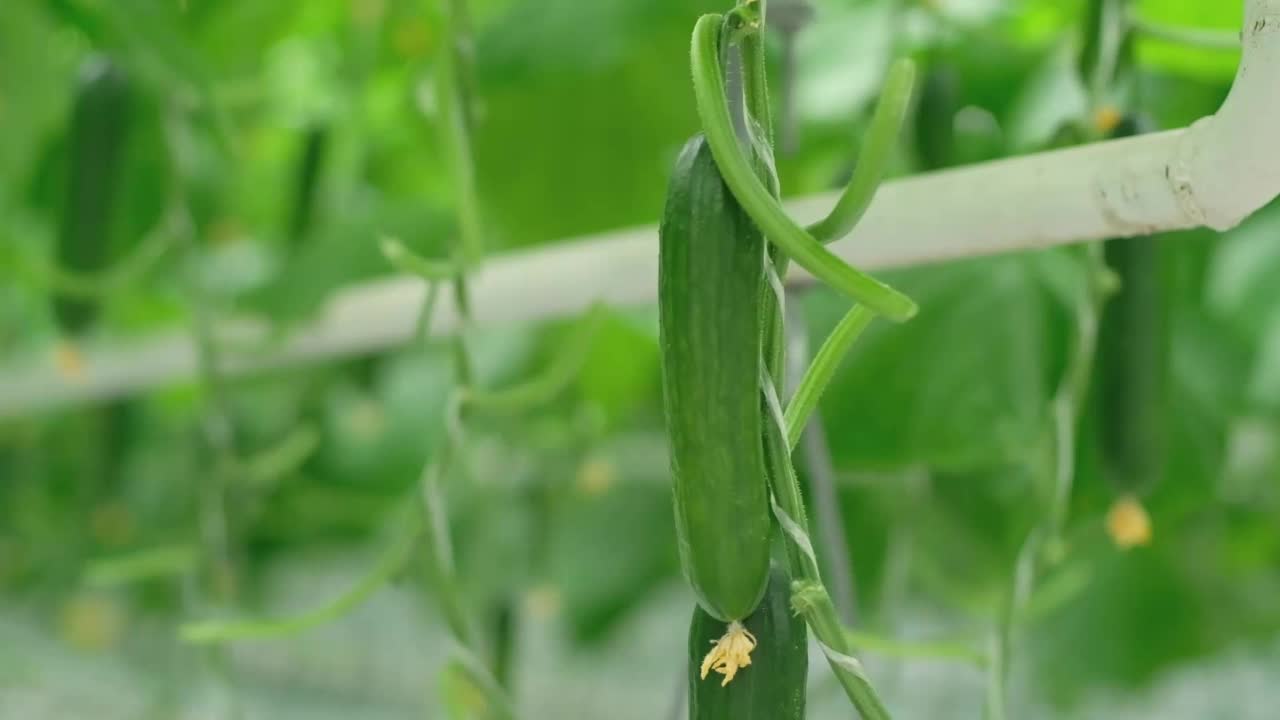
x=758 y=201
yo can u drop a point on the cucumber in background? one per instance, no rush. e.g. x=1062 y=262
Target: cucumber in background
x=1132 y=350
x=97 y=146
x=310 y=168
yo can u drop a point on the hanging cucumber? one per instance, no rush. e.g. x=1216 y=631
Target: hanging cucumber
x=710 y=284
x=98 y=139
x=773 y=688
x=1131 y=369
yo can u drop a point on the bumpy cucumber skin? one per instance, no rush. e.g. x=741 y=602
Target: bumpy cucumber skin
x=772 y=687
x=98 y=135
x=710 y=279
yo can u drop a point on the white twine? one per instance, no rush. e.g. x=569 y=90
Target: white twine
x=847 y=662
x=793 y=530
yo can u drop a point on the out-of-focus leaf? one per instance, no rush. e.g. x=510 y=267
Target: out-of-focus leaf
x=978 y=349
x=844 y=55
x=594 y=533
x=1139 y=614
x=621 y=371
x=1184 y=59
x=581 y=137
x=1052 y=98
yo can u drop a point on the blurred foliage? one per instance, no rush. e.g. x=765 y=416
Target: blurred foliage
x=939 y=428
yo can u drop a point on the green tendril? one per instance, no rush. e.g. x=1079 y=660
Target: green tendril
x=764 y=210
x=822 y=369
x=886 y=124
x=389 y=564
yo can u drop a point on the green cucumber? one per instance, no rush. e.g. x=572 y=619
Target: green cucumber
x=710 y=281
x=1132 y=347
x=772 y=687
x=98 y=139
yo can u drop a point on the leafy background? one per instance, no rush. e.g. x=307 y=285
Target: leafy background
x=938 y=429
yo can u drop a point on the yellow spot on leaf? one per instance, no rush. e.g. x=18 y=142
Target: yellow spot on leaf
x=1128 y=523
x=730 y=653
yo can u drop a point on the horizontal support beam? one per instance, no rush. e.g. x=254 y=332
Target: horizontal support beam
x=1215 y=173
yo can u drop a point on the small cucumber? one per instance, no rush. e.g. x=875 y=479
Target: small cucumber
x=710 y=284
x=310 y=168
x=772 y=687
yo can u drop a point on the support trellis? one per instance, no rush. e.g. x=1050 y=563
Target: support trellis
x=1214 y=173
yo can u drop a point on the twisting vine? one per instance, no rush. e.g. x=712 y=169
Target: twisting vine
x=215 y=525
x=425 y=519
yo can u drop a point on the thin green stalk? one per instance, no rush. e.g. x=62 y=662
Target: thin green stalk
x=811 y=598
x=453 y=104
x=285 y=457
x=405 y=260
x=1066 y=406
x=824 y=366
x=146 y=564
x=392 y=561
x=422 y=328
x=454 y=99
x=755 y=84
x=1000 y=647
x=440 y=567
x=815 y=453
x=1105 y=35
x=219 y=435
x=1224 y=40
x=760 y=205
x=877 y=148
x=463 y=364
x=953 y=650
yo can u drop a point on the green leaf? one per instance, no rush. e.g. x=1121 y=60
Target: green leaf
x=1185 y=59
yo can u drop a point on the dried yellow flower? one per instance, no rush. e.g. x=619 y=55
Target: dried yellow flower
x=1128 y=523
x=1106 y=119
x=730 y=653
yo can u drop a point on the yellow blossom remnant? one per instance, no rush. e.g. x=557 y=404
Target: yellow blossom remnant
x=1106 y=119
x=595 y=476
x=730 y=653
x=1128 y=523
x=91 y=623
x=70 y=363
